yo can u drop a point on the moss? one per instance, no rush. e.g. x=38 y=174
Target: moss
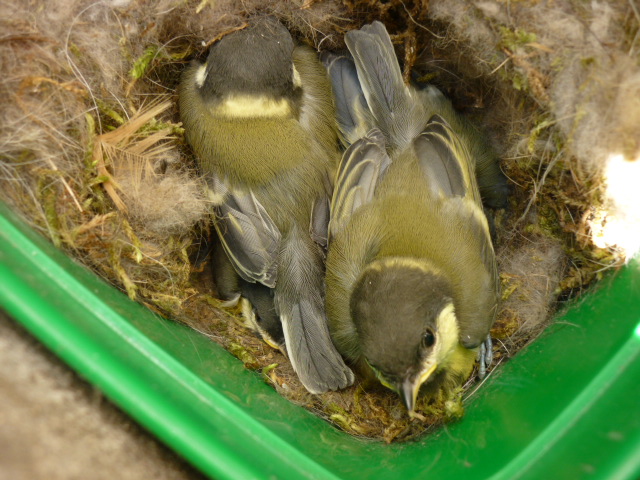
x=242 y=354
x=110 y=112
x=514 y=39
x=48 y=194
x=141 y=65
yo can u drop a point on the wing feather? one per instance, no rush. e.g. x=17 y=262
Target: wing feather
x=249 y=237
x=445 y=160
x=361 y=168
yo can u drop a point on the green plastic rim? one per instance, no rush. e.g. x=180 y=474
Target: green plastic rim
x=565 y=407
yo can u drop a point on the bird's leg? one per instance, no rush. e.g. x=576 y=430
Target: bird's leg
x=485 y=357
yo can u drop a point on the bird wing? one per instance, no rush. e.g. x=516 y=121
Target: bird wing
x=445 y=160
x=492 y=183
x=319 y=226
x=362 y=166
x=475 y=323
x=313 y=356
x=321 y=212
x=352 y=112
x=378 y=71
x=449 y=171
x=248 y=235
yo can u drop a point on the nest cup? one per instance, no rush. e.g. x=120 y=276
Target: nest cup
x=93 y=155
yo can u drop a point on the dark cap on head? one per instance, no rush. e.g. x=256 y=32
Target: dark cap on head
x=392 y=307
x=255 y=60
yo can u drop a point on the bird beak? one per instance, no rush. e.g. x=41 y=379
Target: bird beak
x=410 y=387
x=409 y=393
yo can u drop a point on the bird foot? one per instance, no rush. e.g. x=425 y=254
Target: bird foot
x=485 y=357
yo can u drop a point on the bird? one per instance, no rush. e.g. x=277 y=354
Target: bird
x=411 y=279
x=260 y=119
x=255 y=299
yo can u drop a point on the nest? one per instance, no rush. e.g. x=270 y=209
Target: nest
x=92 y=153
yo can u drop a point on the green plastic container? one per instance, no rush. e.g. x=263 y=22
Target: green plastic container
x=566 y=407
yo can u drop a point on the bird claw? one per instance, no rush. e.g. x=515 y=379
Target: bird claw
x=485 y=357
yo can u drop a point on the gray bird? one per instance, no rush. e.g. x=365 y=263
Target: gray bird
x=255 y=299
x=260 y=118
x=412 y=285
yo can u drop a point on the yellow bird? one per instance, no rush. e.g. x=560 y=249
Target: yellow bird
x=259 y=115
x=412 y=285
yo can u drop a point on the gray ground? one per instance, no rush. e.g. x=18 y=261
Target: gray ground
x=56 y=426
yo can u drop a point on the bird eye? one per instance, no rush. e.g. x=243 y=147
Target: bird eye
x=428 y=339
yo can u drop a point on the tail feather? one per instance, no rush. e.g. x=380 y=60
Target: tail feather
x=313 y=356
x=390 y=101
x=299 y=299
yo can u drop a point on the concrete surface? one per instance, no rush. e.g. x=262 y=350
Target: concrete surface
x=56 y=426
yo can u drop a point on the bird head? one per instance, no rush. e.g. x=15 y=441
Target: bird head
x=254 y=61
x=405 y=320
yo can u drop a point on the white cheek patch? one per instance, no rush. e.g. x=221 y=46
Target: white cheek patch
x=448 y=331
x=445 y=347
x=201 y=75
x=297 y=81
